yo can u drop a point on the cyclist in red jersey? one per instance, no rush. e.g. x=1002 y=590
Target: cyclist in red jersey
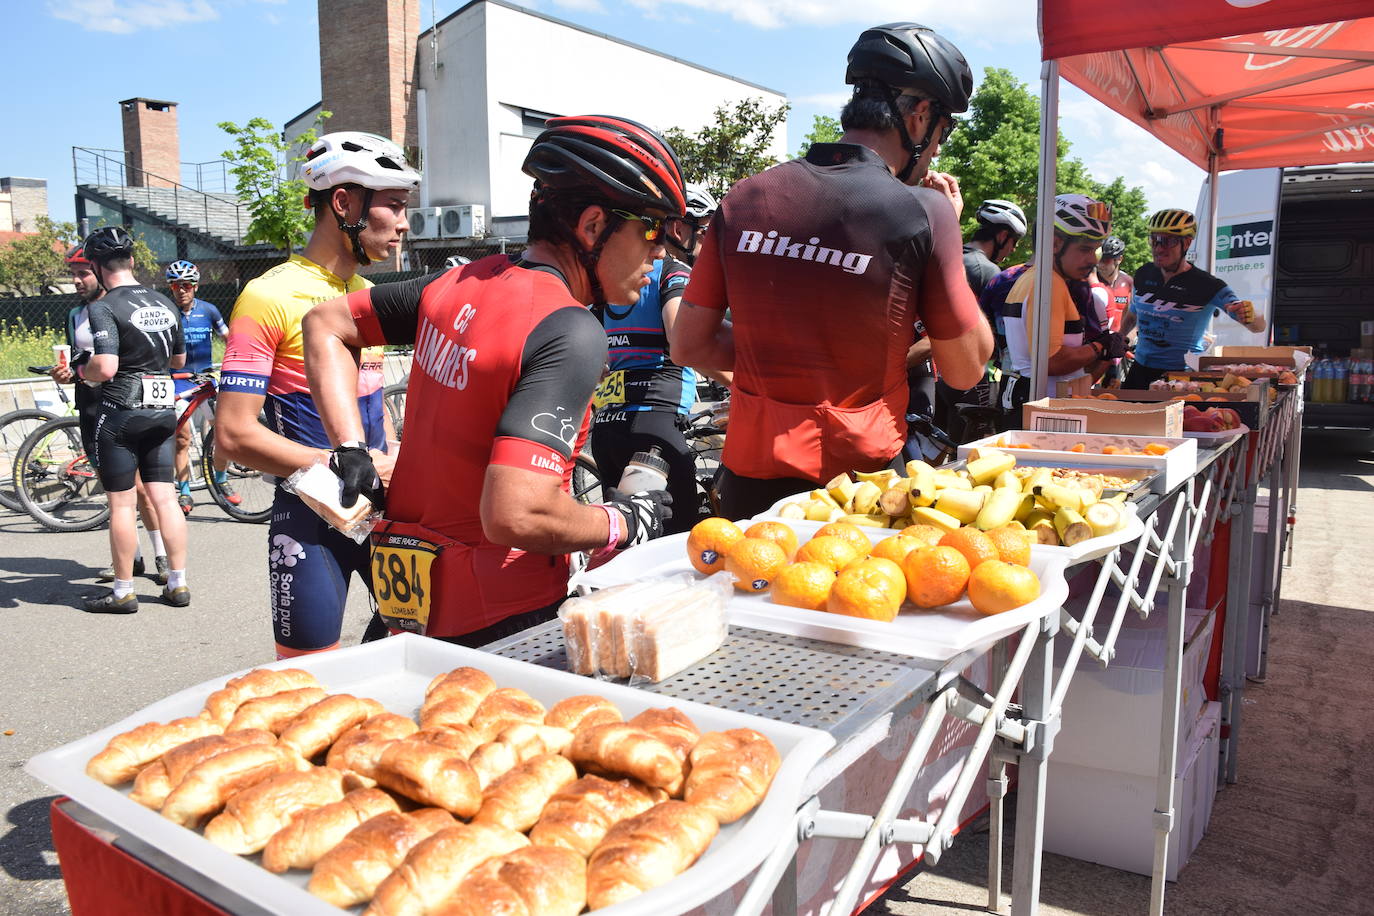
x=479 y=518
x=826 y=264
x=1112 y=288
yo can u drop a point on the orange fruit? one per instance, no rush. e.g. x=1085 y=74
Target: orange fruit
x=1192 y=397
x=935 y=576
x=835 y=553
x=781 y=534
x=896 y=547
x=873 y=588
x=754 y=562
x=975 y=545
x=1156 y=448
x=928 y=533
x=1078 y=447
x=1107 y=396
x=847 y=532
x=804 y=585
x=709 y=541
x=1013 y=544
x=995 y=587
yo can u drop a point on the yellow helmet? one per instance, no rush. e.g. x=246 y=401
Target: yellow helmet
x=1173 y=222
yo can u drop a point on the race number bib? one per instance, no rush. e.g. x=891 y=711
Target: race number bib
x=401 y=581
x=611 y=391
x=158 y=391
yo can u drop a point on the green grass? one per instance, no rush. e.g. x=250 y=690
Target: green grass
x=22 y=346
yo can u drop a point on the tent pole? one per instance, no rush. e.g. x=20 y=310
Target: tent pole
x=1210 y=253
x=1044 y=227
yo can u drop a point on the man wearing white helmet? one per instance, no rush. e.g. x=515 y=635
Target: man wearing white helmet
x=200 y=321
x=360 y=186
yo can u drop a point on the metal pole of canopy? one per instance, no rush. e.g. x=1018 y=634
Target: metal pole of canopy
x=1044 y=227
x=1213 y=171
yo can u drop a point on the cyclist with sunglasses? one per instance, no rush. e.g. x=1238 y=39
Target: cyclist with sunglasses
x=200 y=321
x=826 y=263
x=479 y=520
x=1174 y=302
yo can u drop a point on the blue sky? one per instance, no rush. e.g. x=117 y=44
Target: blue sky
x=236 y=59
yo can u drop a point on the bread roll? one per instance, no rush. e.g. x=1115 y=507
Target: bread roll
x=433 y=870
x=275 y=711
x=311 y=834
x=731 y=772
x=349 y=873
x=251 y=817
x=430 y=774
x=157 y=780
x=458 y=738
x=260 y=682
x=504 y=708
x=318 y=726
x=578 y=815
x=131 y=751
x=623 y=750
x=385 y=727
x=671 y=726
x=647 y=850
x=211 y=783
x=534 y=881
x=515 y=745
x=452 y=698
x=584 y=711
x=515 y=799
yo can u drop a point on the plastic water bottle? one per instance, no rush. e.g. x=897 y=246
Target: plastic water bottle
x=647 y=470
x=1342 y=377
x=1318 y=374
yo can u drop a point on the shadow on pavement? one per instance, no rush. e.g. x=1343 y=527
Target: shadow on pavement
x=23 y=846
x=39 y=580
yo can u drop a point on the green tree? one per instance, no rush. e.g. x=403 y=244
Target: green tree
x=263 y=165
x=824 y=129
x=35 y=265
x=733 y=146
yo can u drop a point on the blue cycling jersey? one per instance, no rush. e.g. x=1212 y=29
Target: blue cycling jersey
x=198 y=327
x=638 y=345
x=1173 y=316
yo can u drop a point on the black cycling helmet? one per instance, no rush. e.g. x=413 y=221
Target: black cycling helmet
x=907 y=55
x=108 y=242
x=1113 y=247
x=614 y=159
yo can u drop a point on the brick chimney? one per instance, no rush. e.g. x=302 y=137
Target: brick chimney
x=151 y=146
x=367 y=66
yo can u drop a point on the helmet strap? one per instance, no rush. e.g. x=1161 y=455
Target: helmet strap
x=589 y=258
x=914 y=149
x=353 y=229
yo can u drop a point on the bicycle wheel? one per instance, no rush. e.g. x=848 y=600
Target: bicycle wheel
x=254 y=491
x=55 y=481
x=394 y=399
x=15 y=427
x=586 y=482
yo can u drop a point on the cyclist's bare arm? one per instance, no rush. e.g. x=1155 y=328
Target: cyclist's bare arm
x=333 y=347
x=240 y=436
x=960 y=339
x=701 y=338
x=670 y=312
x=530 y=511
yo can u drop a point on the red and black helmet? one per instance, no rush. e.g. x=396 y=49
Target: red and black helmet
x=76 y=255
x=616 y=159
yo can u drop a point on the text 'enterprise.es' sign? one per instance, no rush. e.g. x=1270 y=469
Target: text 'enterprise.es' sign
x=1245 y=240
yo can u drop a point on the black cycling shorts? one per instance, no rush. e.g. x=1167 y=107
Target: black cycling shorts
x=134 y=441
x=617 y=436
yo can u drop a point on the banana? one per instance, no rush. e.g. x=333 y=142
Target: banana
x=821 y=496
x=868 y=521
x=1044 y=532
x=835 y=515
x=896 y=499
x=1103 y=518
x=983 y=488
x=1008 y=479
x=998 y=509
x=951 y=480
x=922 y=486
x=865 y=498
x=989 y=464
x=1061 y=497
x=818 y=511
x=962 y=504
x=793 y=511
x=840 y=489
x=1026 y=508
x=1037 y=477
x=923 y=515
x=916 y=466
x=1036 y=517
x=883 y=478
x=1071 y=527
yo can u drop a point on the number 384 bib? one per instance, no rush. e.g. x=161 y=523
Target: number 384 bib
x=403 y=574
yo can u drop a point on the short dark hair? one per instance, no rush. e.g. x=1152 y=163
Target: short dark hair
x=868 y=109
x=988 y=233
x=121 y=262
x=319 y=199
x=554 y=214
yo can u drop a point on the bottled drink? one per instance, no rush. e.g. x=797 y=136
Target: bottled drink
x=1324 y=376
x=1342 y=376
x=646 y=471
x=1319 y=382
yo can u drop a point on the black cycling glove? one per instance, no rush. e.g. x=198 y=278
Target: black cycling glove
x=644 y=513
x=354 y=467
x=1113 y=345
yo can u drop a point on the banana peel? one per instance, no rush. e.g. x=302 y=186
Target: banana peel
x=866 y=520
x=998 y=509
x=989 y=464
x=961 y=504
x=925 y=515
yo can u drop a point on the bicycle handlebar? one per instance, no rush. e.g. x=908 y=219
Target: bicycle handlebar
x=42 y=370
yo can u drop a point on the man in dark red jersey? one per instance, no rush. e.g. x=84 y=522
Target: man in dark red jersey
x=826 y=263
x=479 y=520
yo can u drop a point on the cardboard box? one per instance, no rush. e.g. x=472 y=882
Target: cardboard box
x=1107 y=817
x=1092 y=415
x=1260 y=354
x=1367 y=335
x=1253 y=413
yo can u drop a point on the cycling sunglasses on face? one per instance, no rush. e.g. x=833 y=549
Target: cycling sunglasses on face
x=1164 y=240
x=182 y=284
x=653 y=225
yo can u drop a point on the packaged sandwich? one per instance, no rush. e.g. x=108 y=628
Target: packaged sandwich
x=322 y=490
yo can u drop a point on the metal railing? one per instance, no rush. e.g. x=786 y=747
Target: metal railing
x=217 y=213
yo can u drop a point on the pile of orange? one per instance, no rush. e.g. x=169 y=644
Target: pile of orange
x=842 y=571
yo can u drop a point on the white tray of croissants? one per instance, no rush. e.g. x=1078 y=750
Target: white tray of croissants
x=410 y=776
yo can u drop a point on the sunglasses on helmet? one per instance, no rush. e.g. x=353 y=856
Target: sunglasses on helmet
x=653 y=225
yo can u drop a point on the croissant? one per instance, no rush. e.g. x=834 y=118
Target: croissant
x=260 y=682
x=433 y=870
x=584 y=711
x=731 y=772
x=317 y=727
x=211 y=783
x=311 y=834
x=349 y=873
x=385 y=727
x=504 y=708
x=578 y=815
x=131 y=751
x=275 y=711
x=647 y=850
x=624 y=750
x=515 y=745
x=515 y=799
x=254 y=815
x=534 y=881
x=157 y=780
x=460 y=738
x=461 y=679
x=430 y=774
x=452 y=698
x=671 y=726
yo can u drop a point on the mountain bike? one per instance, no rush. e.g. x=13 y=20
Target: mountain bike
x=15 y=427
x=705 y=435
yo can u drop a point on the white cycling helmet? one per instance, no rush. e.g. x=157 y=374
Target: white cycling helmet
x=1080 y=216
x=183 y=272
x=354 y=157
x=701 y=203
x=1002 y=213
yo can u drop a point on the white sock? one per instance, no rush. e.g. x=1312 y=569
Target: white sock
x=156 y=538
x=123 y=587
x=176 y=578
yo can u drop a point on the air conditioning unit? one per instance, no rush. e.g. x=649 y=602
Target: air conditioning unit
x=464 y=221
x=424 y=222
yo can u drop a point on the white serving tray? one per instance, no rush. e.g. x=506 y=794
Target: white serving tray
x=1177 y=465
x=395 y=672
x=1212 y=440
x=936 y=635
